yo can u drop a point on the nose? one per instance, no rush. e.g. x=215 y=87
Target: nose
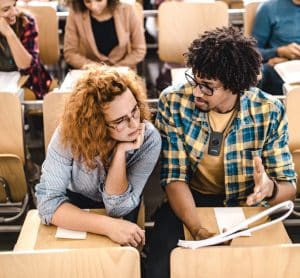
x=132 y=122
x=197 y=92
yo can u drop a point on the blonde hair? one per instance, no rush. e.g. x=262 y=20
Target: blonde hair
x=83 y=126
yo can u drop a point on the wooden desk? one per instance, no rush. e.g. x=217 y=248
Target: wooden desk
x=34 y=236
x=274 y=234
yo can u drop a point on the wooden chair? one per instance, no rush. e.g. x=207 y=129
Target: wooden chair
x=293 y=115
x=278 y=261
x=180 y=23
x=53 y=107
x=249 y=16
x=72 y=263
x=47 y=22
x=13 y=184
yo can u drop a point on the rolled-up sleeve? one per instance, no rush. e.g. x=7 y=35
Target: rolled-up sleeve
x=140 y=164
x=56 y=176
x=175 y=162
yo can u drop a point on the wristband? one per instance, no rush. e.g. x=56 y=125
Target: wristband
x=274 y=192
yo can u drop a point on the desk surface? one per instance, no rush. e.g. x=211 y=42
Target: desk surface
x=35 y=235
x=274 y=234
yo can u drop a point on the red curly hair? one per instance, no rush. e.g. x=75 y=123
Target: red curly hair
x=83 y=126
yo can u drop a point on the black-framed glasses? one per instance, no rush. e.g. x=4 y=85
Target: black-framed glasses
x=123 y=122
x=205 y=89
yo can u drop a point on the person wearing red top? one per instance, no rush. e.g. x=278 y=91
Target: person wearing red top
x=19 y=48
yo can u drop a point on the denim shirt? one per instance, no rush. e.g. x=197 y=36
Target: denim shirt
x=61 y=172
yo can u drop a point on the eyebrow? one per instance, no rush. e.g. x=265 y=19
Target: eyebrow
x=120 y=118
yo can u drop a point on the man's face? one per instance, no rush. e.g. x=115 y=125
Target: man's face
x=210 y=95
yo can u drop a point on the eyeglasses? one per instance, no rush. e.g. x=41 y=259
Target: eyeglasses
x=206 y=90
x=121 y=123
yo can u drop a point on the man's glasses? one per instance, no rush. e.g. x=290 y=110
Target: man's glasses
x=121 y=123
x=206 y=90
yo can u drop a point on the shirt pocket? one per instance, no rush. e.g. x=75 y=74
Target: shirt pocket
x=247 y=157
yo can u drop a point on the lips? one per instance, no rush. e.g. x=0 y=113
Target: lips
x=133 y=133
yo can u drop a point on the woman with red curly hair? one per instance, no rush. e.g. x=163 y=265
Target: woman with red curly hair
x=101 y=155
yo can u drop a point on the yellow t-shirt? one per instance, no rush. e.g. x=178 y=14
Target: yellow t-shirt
x=209 y=176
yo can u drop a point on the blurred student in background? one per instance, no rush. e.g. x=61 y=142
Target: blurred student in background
x=101 y=155
x=103 y=31
x=19 y=48
x=277 y=31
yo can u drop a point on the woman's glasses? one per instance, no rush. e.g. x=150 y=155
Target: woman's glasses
x=123 y=122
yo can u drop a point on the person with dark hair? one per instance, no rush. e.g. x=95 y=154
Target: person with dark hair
x=100 y=156
x=277 y=31
x=224 y=141
x=19 y=48
x=103 y=31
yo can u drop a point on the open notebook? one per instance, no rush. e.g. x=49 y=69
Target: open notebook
x=240 y=230
x=289 y=71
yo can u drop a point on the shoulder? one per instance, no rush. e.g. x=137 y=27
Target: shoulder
x=261 y=102
x=151 y=134
x=126 y=10
x=27 y=19
x=175 y=96
x=55 y=145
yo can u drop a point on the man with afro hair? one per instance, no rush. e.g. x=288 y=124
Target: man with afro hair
x=224 y=141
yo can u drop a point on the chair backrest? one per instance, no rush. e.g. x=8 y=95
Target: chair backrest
x=47 y=22
x=293 y=115
x=179 y=23
x=12 y=156
x=236 y=262
x=72 y=263
x=249 y=16
x=53 y=108
x=11 y=125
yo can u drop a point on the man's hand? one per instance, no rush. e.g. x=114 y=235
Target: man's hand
x=263 y=185
x=201 y=233
x=276 y=60
x=290 y=51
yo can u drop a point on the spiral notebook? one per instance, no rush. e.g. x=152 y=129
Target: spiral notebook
x=241 y=229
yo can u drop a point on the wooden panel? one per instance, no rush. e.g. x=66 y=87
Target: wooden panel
x=277 y=261
x=91 y=263
x=53 y=108
x=11 y=168
x=11 y=126
x=249 y=16
x=180 y=23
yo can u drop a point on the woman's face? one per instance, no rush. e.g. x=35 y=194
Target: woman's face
x=8 y=11
x=123 y=118
x=96 y=7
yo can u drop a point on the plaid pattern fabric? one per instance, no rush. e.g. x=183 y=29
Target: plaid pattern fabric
x=260 y=128
x=39 y=79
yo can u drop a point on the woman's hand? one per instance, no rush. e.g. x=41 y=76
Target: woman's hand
x=127 y=146
x=5 y=28
x=126 y=233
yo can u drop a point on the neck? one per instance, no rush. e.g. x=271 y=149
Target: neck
x=229 y=106
x=105 y=15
